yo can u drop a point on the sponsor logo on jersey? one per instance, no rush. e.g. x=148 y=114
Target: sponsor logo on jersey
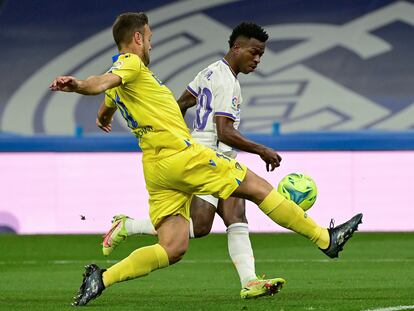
x=141 y=131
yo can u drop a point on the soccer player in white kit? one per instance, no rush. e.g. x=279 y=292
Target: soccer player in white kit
x=216 y=93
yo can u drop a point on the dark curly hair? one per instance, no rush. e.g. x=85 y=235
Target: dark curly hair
x=248 y=30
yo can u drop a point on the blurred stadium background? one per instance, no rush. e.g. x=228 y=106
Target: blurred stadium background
x=334 y=94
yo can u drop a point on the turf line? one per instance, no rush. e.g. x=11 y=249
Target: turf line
x=217 y=261
x=397 y=308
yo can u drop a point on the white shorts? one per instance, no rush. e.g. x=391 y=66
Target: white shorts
x=209 y=198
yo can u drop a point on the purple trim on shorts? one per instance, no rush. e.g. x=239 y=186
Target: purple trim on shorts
x=192 y=91
x=225 y=114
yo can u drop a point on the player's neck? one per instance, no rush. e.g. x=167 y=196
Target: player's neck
x=229 y=59
x=131 y=50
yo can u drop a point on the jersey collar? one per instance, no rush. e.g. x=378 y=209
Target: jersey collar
x=115 y=57
x=224 y=61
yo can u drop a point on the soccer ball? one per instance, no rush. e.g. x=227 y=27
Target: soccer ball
x=299 y=188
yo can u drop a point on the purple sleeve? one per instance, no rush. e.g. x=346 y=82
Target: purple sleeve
x=225 y=114
x=192 y=91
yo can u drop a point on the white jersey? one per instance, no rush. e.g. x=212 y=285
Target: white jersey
x=218 y=94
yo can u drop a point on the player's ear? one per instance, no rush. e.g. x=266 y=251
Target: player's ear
x=236 y=48
x=138 y=38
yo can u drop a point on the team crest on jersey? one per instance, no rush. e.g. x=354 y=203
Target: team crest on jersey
x=235 y=103
x=116 y=65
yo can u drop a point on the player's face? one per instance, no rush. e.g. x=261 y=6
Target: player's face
x=146 y=45
x=249 y=54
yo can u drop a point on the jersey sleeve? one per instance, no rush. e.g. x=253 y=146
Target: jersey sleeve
x=127 y=67
x=223 y=99
x=192 y=87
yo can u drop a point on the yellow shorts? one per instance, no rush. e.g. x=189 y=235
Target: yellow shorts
x=172 y=181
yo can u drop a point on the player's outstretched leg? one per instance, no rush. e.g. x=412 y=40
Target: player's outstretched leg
x=92 y=285
x=262 y=287
x=289 y=215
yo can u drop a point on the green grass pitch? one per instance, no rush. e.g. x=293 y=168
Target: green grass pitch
x=376 y=270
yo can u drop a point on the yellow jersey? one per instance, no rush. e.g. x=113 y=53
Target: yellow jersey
x=149 y=108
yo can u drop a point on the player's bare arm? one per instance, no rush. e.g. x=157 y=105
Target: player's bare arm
x=230 y=136
x=186 y=100
x=93 y=85
x=105 y=117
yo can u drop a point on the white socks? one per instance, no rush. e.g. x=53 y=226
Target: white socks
x=241 y=252
x=144 y=226
x=139 y=226
x=191 y=229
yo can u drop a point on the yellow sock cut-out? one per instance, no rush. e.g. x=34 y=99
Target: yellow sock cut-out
x=289 y=215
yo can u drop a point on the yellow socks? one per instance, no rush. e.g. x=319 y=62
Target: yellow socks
x=139 y=263
x=289 y=215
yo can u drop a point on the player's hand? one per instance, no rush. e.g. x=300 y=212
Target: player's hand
x=64 y=84
x=271 y=158
x=106 y=128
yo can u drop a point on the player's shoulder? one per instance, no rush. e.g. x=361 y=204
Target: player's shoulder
x=215 y=72
x=125 y=59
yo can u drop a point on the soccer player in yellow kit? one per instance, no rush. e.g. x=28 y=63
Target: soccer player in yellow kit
x=175 y=167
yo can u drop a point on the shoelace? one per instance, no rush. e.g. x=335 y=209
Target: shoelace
x=332 y=224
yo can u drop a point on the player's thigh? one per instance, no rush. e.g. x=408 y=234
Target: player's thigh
x=202 y=211
x=232 y=210
x=210 y=172
x=164 y=200
x=253 y=188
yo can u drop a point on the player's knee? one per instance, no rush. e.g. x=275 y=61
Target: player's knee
x=232 y=211
x=234 y=219
x=202 y=223
x=202 y=229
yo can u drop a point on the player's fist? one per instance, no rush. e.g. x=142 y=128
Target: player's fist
x=106 y=128
x=65 y=84
x=271 y=158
